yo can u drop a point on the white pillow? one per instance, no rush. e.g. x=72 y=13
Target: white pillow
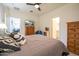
x=16 y=36
x=20 y=39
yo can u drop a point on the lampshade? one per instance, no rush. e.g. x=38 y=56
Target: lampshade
x=3 y=26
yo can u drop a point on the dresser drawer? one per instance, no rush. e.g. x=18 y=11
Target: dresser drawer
x=71 y=49
x=77 y=30
x=71 y=45
x=77 y=52
x=77 y=36
x=77 y=42
x=71 y=35
x=72 y=40
x=77 y=45
x=71 y=32
x=71 y=24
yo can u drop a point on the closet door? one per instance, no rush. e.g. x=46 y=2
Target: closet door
x=71 y=34
x=29 y=30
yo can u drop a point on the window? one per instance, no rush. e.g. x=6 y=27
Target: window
x=14 y=24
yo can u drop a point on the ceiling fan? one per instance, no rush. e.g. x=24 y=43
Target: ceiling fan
x=36 y=5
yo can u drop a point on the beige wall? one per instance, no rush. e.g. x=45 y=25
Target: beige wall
x=69 y=12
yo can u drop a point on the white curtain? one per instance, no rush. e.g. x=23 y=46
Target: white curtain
x=2 y=14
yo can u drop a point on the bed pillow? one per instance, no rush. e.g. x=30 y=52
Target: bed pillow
x=12 y=34
x=19 y=38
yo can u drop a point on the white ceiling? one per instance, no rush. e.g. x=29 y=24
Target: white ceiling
x=45 y=7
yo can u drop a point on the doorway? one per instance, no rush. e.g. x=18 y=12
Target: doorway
x=55 y=27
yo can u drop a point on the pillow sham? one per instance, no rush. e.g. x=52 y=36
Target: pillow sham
x=20 y=39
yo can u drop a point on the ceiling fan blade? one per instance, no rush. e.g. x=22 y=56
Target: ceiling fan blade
x=39 y=9
x=38 y=3
x=34 y=5
x=30 y=4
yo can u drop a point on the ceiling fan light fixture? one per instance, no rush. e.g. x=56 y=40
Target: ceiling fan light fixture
x=36 y=6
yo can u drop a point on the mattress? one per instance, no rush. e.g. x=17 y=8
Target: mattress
x=38 y=45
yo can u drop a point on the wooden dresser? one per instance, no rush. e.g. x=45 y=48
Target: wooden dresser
x=73 y=37
x=29 y=30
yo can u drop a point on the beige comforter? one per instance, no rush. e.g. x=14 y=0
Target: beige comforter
x=38 y=45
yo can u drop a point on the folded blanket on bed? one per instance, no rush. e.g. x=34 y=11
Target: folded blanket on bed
x=8 y=44
x=10 y=47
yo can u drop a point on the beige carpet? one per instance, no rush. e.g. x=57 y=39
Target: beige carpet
x=72 y=54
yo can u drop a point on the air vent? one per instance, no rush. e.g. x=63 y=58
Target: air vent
x=16 y=8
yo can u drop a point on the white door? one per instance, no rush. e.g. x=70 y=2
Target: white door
x=55 y=27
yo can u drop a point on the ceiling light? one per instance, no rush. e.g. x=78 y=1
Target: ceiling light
x=36 y=6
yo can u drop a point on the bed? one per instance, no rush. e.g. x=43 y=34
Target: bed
x=39 y=45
